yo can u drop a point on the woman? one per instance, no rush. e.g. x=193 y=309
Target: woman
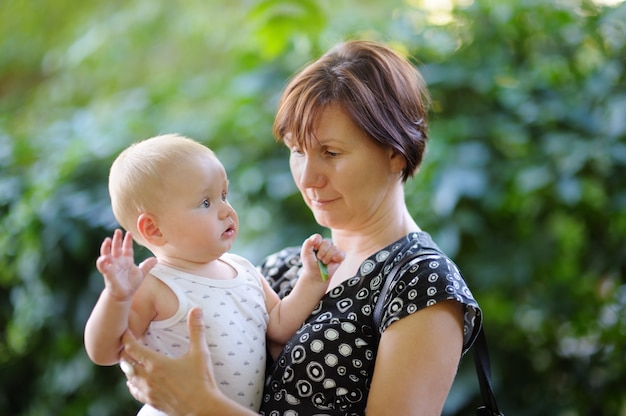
x=355 y=124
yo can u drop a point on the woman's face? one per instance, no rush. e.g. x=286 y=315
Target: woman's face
x=345 y=178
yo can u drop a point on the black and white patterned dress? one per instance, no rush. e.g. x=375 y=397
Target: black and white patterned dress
x=327 y=366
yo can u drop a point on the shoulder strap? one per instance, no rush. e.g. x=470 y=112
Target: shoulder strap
x=426 y=249
x=483 y=373
x=377 y=315
x=479 y=349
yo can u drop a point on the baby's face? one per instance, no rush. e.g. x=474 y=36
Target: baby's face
x=197 y=219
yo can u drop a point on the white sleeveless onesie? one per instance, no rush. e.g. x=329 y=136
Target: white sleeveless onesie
x=235 y=326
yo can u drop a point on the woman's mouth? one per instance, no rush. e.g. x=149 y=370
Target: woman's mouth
x=320 y=203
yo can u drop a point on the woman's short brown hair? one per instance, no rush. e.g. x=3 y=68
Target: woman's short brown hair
x=383 y=93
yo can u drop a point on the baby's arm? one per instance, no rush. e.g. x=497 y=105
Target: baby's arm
x=110 y=317
x=288 y=314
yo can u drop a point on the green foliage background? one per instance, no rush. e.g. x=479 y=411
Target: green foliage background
x=524 y=184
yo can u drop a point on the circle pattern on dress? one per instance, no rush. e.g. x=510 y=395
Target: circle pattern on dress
x=327 y=365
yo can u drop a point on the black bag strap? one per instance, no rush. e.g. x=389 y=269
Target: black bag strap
x=377 y=315
x=479 y=349
x=483 y=373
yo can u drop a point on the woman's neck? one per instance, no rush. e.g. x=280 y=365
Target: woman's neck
x=365 y=241
x=360 y=244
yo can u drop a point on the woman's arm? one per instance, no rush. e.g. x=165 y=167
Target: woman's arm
x=417 y=360
x=178 y=386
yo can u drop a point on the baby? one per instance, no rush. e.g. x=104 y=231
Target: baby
x=170 y=194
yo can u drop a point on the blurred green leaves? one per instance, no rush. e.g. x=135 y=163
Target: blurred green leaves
x=523 y=184
x=277 y=21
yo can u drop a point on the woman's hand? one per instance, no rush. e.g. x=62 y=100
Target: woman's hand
x=177 y=386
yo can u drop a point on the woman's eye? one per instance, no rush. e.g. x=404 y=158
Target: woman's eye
x=332 y=154
x=206 y=203
x=295 y=150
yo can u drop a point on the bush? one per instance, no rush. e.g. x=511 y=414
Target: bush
x=523 y=183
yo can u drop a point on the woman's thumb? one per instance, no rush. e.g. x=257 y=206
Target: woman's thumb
x=195 y=323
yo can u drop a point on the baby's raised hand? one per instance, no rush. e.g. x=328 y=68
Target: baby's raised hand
x=122 y=277
x=320 y=257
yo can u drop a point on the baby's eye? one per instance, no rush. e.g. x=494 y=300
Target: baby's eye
x=206 y=203
x=224 y=196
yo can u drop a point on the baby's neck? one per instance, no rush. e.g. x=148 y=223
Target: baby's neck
x=215 y=269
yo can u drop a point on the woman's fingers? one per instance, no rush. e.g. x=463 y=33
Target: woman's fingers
x=195 y=324
x=135 y=352
x=128 y=368
x=171 y=383
x=198 y=347
x=137 y=363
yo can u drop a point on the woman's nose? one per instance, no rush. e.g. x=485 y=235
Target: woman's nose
x=310 y=173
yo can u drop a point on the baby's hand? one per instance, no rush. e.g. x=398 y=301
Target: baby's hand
x=122 y=277
x=320 y=257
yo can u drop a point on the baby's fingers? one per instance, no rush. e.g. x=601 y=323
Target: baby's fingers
x=127 y=245
x=328 y=253
x=120 y=245
x=147 y=264
x=103 y=264
x=116 y=243
x=105 y=247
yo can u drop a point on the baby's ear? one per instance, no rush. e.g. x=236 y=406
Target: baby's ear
x=149 y=230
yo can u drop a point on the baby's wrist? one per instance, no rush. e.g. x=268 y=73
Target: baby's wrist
x=110 y=294
x=312 y=277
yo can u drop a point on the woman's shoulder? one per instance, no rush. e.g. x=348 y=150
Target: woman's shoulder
x=281 y=269
x=417 y=254
x=416 y=247
x=408 y=250
x=286 y=257
x=420 y=275
x=417 y=241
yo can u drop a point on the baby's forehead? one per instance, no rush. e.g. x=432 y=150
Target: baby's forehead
x=209 y=165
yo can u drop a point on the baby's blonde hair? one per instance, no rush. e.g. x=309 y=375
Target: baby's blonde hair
x=140 y=172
